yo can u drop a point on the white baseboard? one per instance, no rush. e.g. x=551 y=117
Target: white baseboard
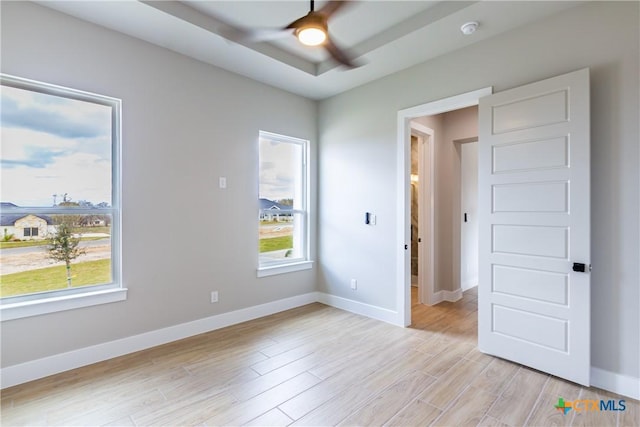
x=451 y=296
x=40 y=368
x=357 y=307
x=616 y=383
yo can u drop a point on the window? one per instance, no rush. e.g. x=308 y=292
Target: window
x=59 y=188
x=283 y=216
x=30 y=232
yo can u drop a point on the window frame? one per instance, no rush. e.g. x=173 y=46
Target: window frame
x=303 y=262
x=19 y=306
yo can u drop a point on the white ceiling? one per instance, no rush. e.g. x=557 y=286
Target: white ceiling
x=386 y=36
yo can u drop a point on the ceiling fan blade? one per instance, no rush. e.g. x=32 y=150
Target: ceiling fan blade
x=266 y=34
x=298 y=22
x=339 y=55
x=243 y=35
x=332 y=7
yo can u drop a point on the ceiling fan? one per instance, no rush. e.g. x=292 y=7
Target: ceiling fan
x=311 y=30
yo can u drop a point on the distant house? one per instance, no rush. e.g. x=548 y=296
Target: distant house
x=274 y=211
x=25 y=226
x=92 y=221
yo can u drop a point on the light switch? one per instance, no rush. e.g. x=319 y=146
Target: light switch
x=223 y=182
x=369 y=218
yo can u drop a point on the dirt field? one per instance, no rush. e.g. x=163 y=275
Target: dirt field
x=275 y=230
x=32 y=261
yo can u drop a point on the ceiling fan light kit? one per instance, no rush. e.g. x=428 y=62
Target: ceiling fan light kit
x=311 y=36
x=312 y=29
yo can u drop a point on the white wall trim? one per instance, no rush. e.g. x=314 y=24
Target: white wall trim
x=616 y=383
x=361 y=308
x=40 y=368
x=451 y=296
x=282 y=269
x=38 y=307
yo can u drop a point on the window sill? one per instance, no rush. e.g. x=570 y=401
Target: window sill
x=67 y=302
x=287 y=268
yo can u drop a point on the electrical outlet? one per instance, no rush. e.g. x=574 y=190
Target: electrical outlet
x=222 y=181
x=354 y=284
x=214 y=296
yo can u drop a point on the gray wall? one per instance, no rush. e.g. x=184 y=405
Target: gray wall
x=185 y=124
x=357 y=168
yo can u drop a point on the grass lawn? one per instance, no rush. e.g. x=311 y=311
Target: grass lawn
x=276 y=243
x=52 y=278
x=101 y=229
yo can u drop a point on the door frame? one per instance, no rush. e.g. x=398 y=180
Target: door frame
x=403 y=255
x=426 y=199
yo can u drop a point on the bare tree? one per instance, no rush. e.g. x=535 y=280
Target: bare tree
x=64 y=247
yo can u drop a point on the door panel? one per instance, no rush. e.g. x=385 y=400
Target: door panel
x=539 y=285
x=543 y=197
x=534 y=223
x=537 y=110
x=545 y=331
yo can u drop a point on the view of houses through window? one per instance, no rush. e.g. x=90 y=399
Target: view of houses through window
x=283 y=216
x=58 y=173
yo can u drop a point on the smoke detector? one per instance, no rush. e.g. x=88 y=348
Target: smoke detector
x=469 y=28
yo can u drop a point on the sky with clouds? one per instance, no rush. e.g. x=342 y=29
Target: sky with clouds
x=53 y=145
x=279 y=165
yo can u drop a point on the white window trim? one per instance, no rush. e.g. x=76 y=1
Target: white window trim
x=304 y=262
x=41 y=306
x=28 y=305
x=284 y=268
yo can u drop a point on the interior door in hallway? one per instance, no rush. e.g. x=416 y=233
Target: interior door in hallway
x=469 y=215
x=534 y=209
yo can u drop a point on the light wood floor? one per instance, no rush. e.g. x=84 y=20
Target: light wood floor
x=313 y=365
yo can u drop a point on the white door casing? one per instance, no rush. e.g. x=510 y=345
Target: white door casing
x=534 y=214
x=403 y=273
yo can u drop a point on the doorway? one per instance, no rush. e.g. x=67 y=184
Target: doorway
x=450 y=199
x=422 y=198
x=405 y=119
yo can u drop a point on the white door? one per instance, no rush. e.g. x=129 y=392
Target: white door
x=533 y=178
x=469 y=215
